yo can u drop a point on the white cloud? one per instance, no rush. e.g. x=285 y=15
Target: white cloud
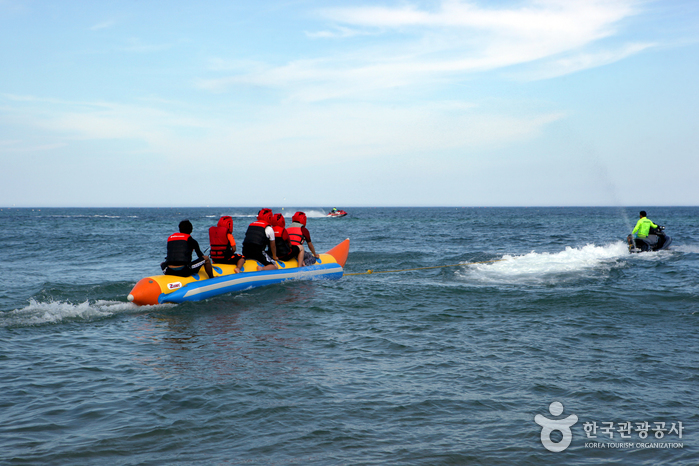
x=338 y=32
x=572 y=63
x=102 y=25
x=307 y=133
x=32 y=148
x=135 y=45
x=416 y=46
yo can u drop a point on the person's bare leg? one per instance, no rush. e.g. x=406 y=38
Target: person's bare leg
x=239 y=265
x=208 y=268
x=301 y=254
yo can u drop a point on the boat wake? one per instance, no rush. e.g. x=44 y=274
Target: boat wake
x=288 y=213
x=56 y=312
x=686 y=248
x=543 y=268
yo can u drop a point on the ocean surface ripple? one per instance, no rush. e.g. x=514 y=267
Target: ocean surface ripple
x=446 y=365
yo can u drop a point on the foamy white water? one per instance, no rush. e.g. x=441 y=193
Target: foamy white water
x=686 y=248
x=288 y=213
x=39 y=313
x=546 y=267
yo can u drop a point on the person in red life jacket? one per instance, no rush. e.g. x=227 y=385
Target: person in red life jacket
x=179 y=254
x=259 y=236
x=223 y=244
x=285 y=250
x=298 y=233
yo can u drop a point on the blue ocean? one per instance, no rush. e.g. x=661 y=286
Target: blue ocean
x=484 y=336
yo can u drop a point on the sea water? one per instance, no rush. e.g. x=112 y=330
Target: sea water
x=536 y=309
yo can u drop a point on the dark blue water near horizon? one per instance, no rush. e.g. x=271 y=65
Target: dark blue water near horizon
x=446 y=365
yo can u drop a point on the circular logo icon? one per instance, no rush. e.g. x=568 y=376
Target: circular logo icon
x=550 y=425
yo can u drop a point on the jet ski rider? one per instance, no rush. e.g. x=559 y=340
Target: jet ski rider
x=643 y=226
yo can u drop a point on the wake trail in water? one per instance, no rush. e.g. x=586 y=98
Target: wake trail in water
x=547 y=267
x=56 y=312
x=288 y=213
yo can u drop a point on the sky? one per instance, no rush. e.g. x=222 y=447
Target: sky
x=349 y=103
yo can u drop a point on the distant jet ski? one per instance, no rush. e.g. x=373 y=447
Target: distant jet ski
x=336 y=213
x=655 y=241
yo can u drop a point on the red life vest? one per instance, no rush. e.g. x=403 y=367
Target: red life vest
x=295 y=236
x=221 y=247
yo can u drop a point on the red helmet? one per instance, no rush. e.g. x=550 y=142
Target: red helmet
x=265 y=215
x=299 y=217
x=226 y=222
x=278 y=220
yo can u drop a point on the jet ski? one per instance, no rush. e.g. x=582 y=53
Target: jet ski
x=655 y=241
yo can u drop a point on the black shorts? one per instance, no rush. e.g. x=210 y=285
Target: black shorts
x=233 y=260
x=294 y=254
x=185 y=270
x=252 y=251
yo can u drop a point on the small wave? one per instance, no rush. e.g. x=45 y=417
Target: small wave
x=54 y=312
x=546 y=267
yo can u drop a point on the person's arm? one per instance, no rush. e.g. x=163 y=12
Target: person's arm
x=638 y=225
x=231 y=241
x=269 y=231
x=195 y=246
x=307 y=235
x=273 y=248
x=313 y=250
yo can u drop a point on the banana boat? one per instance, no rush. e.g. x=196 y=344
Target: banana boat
x=161 y=289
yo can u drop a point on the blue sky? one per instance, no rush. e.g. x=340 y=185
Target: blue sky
x=367 y=103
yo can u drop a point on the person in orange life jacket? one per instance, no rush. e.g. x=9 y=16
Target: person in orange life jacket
x=179 y=254
x=223 y=244
x=260 y=234
x=285 y=250
x=298 y=233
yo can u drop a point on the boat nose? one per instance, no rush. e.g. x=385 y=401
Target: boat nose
x=145 y=292
x=340 y=252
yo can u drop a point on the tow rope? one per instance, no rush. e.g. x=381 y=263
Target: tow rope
x=370 y=272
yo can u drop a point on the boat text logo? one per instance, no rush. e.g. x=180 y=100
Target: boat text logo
x=174 y=286
x=548 y=426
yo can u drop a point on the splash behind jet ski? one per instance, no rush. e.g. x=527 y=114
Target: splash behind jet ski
x=655 y=241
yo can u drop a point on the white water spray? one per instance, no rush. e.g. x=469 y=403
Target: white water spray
x=55 y=312
x=547 y=267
